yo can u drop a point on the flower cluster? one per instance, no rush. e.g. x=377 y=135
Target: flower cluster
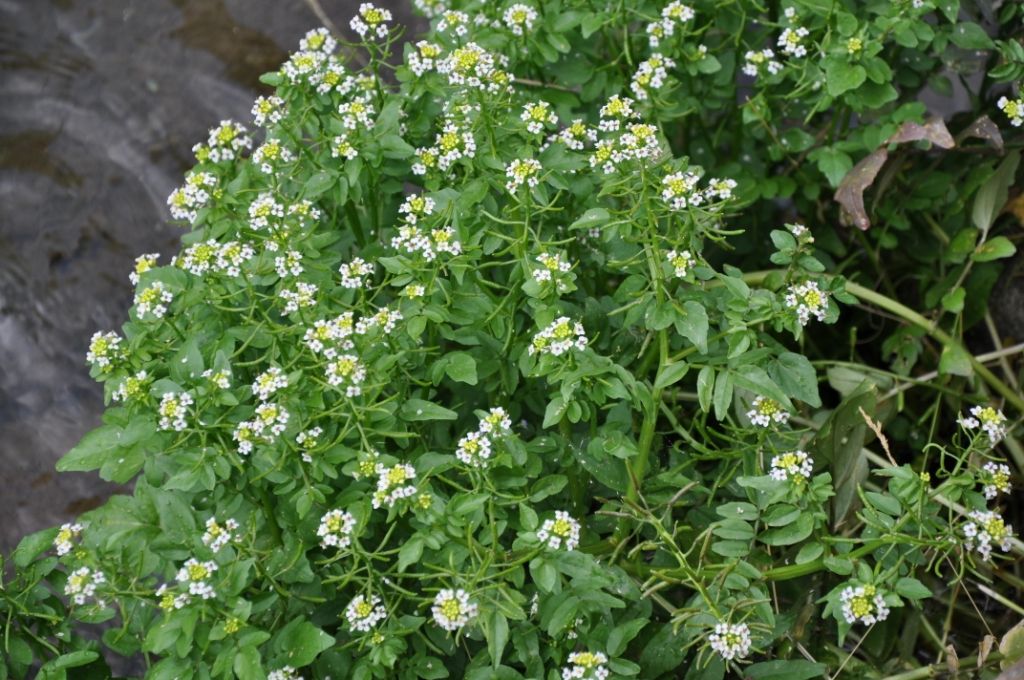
x=392 y=484
x=454 y=21
x=371 y=21
x=284 y=673
x=672 y=14
x=576 y=136
x=64 y=541
x=173 y=409
x=989 y=419
x=354 y=273
x=451 y=144
x=424 y=58
x=143 y=263
x=522 y=171
x=765 y=411
x=758 y=62
x=269 y=382
x=559 y=337
x=363 y=613
x=221 y=378
x=347 y=371
x=304 y=295
x=985 y=529
x=268 y=111
x=551 y=266
x=416 y=207
x=216 y=536
x=731 y=640
x=336 y=529
x=271 y=155
x=453 y=609
x=475 y=448
x=562 y=531
x=195 y=574
x=996 y=477
x=864 y=604
x=680 y=261
x=357 y=113
x=650 y=75
x=132 y=387
x=519 y=18
x=473 y=67
x=585 y=666
x=792 y=39
x=82 y=583
x=185 y=202
x=1013 y=108
x=795 y=466
x=537 y=115
x=225 y=143
x=808 y=300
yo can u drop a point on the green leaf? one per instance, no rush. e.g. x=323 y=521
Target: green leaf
x=953 y=301
x=621 y=636
x=410 y=553
x=300 y=642
x=991 y=197
x=671 y=374
x=496 y=632
x=793 y=669
x=418 y=409
x=955 y=360
x=319 y=184
x=789 y=534
x=547 y=486
x=994 y=249
x=833 y=163
x=693 y=325
x=248 y=664
x=705 y=385
x=950 y=8
x=32 y=546
x=971 y=36
x=594 y=217
x=544 y=574
x=797 y=377
x=839 y=441
x=842 y=76
x=461 y=367
x=912 y=589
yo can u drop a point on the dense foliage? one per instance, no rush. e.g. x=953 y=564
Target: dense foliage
x=580 y=340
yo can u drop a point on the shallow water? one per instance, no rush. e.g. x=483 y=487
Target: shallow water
x=101 y=103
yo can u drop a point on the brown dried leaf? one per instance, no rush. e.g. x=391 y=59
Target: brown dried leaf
x=850 y=194
x=934 y=131
x=952 y=660
x=985 y=648
x=876 y=427
x=983 y=128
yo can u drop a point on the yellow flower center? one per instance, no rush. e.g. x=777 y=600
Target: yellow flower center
x=996 y=528
x=364 y=609
x=396 y=476
x=562 y=527
x=197 y=572
x=450 y=609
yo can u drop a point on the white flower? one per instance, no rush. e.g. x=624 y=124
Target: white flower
x=563 y=531
x=720 y=188
x=217 y=536
x=586 y=666
x=267 y=111
x=364 y=613
x=303 y=65
x=342 y=148
x=679 y=190
x=348 y=372
x=452 y=609
x=173 y=409
x=143 y=263
x=791 y=41
x=651 y=74
x=800 y=232
x=153 y=300
x=522 y=171
x=424 y=57
x=225 y=143
x=681 y=262
x=303 y=296
x=195 y=574
x=474 y=449
x=415 y=207
x=985 y=529
x=658 y=31
x=559 y=337
x=263 y=210
x=614 y=112
x=795 y=466
x=453 y=21
x=104 y=348
x=731 y=640
x=268 y=382
x=551 y=265
x=284 y=673
x=536 y=115
x=63 y=542
x=474 y=67
x=392 y=484
x=231 y=256
x=185 y=202
x=677 y=11
x=577 y=135
x=336 y=529
x=756 y=63
x=170 y=600
x=289 y=264
x=1013 y=108
x=496 y=422
x=808 y=300
x=318 y=40
x=371 y=21
x=221 y=378
x=863 y=604
x=764 y=411
x=81 y=584
x=997 y=479
x=272 y=154
x=132 y=387
x=353 y=273
x=519 y=18
x=989 y=419
x=357 y=112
